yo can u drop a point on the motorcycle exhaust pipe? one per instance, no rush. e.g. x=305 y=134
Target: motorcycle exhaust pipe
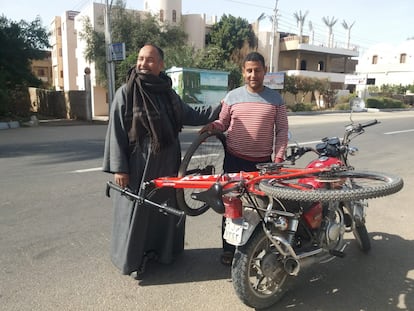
x=293 y=265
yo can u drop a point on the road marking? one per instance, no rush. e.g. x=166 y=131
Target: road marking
x=305 y=143
x=399 y=132
x=94 y=169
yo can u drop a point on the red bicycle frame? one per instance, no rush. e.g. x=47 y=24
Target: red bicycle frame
x=250 y=179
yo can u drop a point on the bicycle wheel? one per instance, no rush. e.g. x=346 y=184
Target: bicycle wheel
x=205 y=156
x=366 y=185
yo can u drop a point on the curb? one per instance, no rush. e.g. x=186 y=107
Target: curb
x=9 y=125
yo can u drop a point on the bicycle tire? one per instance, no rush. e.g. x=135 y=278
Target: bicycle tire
x=205 y=156
x=368 y=185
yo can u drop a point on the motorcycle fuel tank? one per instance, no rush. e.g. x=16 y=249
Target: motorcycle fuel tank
x=318 y=163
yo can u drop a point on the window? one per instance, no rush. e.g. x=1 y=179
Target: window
x=303 y=65
x=161 y=15
x=375 y=59
x=403 y=58
x=321 y=66
x=174 y=16
x=41 y=72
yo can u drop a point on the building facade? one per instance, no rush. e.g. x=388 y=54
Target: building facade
x=292 y=54
x=386 y=64
x=42 y=69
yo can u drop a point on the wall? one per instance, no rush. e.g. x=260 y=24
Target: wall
x=58 y=104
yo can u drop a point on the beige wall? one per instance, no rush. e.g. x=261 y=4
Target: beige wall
x=69 y=44
x=58 y=104
x=57 y=62
x=194 y=26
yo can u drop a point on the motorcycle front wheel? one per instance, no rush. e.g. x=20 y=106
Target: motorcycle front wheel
x=361 y=235
x=258 y=273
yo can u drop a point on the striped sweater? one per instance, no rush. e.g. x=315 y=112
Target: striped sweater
x=256 y=124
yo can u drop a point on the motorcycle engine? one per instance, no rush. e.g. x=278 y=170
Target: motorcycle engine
x=333 y=227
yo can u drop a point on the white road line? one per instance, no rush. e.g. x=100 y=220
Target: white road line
x=306 y=143
x=399 y=132
x=94 y=169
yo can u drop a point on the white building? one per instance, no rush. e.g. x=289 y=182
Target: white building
x=387 y=64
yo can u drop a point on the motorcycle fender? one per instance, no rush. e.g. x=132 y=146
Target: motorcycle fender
x=249 y=222
x=357 y=210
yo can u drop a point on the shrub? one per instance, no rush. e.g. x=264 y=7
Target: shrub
x=301 y=107
x=342 y=106
x=384 y=103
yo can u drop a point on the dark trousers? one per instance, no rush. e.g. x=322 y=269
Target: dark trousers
x=233 y=164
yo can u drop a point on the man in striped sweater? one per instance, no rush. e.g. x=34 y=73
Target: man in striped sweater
x=255 y=119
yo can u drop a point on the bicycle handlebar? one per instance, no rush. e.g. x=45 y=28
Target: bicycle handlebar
x=370 y=123
x=134 y=197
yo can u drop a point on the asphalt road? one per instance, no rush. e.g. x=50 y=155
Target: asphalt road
x=55 y=226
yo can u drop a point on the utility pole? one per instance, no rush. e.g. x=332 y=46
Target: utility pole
x=272 y=38
x=110 y=72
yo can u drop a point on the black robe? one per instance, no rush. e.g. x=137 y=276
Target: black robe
x=141 y=229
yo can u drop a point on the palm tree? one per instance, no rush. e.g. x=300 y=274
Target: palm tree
x=312 y=31
x=300 y=20
x=348 y=29
x=330 y=23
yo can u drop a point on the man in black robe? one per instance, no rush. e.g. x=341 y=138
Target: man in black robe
x=145 y=120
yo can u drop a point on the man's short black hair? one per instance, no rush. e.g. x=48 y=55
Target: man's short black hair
x=159 y=50
x=254 y=57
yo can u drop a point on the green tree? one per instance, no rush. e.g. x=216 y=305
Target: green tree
x=21 y=42
x=232 y=34
x=290 y=86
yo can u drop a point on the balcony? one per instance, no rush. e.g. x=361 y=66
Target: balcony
x=295 y=43
x=333 y=77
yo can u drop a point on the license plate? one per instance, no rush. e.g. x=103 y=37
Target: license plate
x=233 y=232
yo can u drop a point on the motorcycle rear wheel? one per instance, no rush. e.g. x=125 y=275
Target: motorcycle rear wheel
x=367 y=185
x=205 y=156
x=258 y=273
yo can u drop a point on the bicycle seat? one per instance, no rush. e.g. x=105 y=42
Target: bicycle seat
x=212 y=197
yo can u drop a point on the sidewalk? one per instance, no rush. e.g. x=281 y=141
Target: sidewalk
x=50 y=122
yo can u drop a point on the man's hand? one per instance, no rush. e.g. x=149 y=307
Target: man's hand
x=121 y=179
x=206 y=128
x=279 y=160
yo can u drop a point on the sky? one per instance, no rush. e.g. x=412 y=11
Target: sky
x=373 y=22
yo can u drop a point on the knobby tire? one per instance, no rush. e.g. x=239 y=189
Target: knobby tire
x=205 y=156
x=369 y=185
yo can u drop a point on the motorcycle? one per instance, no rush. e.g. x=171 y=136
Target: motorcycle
x=280 y=218
x=294 y=232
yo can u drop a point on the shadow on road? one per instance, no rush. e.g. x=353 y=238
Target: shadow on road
x=359 y=281
x=194 y=265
